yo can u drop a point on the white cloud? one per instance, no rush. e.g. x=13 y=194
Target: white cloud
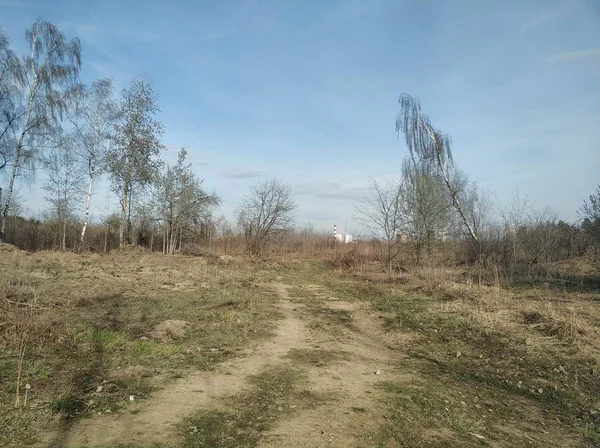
x=550 y=14
x=245 y=174
x=330 y=191
x=575 y=55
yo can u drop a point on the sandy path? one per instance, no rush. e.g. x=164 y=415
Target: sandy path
x=352 y=416
x=153 y=418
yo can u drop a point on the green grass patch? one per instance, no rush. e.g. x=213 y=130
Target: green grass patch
x=316 y=356
x=274 y=394
x=103 y=339
x=419 y=408
x=146 y=352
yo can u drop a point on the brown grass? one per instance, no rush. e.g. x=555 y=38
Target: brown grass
x=85 y=322
x=528 y=349
x=482 y=347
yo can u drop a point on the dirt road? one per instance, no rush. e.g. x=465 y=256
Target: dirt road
x=341 y=348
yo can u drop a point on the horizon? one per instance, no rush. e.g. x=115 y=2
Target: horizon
x=307 y=92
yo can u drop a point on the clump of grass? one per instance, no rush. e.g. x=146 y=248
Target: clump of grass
x=421 y=412
x=331 y=317
x=147 y=352
x=316 y=356
x=521 y=351
x=274 y=394
x=15 y=424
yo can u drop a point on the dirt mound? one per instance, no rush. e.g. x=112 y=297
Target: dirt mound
x=10 y=253
x=5 y=247
x=169 y=329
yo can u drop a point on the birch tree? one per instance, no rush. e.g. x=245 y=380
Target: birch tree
x=63 y=189
x=133 y=160
x=424 y=204
x=93 y=116
x=42 y=78
x=9 y=78
x=183 y=203
x=431 y=148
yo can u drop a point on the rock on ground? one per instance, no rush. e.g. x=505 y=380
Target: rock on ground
x=169 y=329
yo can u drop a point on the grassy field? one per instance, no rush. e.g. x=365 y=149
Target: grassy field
x=309 y=353
x=86 y=320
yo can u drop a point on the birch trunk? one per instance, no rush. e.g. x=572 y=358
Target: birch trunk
x=11 y=183
x=105 y=237
x=17 y=156
x=88 y=199
x=63 y=243
x=453 y=193
x=123 y=215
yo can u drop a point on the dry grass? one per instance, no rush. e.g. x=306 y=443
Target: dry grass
x=515 y=364
x=528 y=352
x=86 y=320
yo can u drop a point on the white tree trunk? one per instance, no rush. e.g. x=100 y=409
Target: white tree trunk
x=88 y=199
x=17 y=156
x=172 y=240
x=123 y=216
x=105 y=237
x=453 y=193
x=11 y=183
x=63 y=243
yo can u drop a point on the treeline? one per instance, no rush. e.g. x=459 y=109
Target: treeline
x=216 y=237
x=433 y=202
x=76 y=133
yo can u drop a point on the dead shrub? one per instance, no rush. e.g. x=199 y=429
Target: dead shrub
x=97 y=298
x=351 y=259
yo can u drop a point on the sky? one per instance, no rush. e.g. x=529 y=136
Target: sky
x=306 y=91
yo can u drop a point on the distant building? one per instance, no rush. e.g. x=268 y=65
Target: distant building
x=342 y=238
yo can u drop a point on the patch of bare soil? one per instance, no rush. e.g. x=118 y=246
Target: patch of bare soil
x=355 y=414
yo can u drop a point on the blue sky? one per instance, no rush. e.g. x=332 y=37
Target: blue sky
x=307 y=90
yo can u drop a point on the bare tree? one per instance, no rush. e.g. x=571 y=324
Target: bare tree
x=225 y=232
x=92 y=116
x=133 y=160
x=480 y=211
x=265 y=211
x=432 y=149
x=590 y=211
x=63 y=188
x=382 y=213
x=43 y=76
x=515 y=218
